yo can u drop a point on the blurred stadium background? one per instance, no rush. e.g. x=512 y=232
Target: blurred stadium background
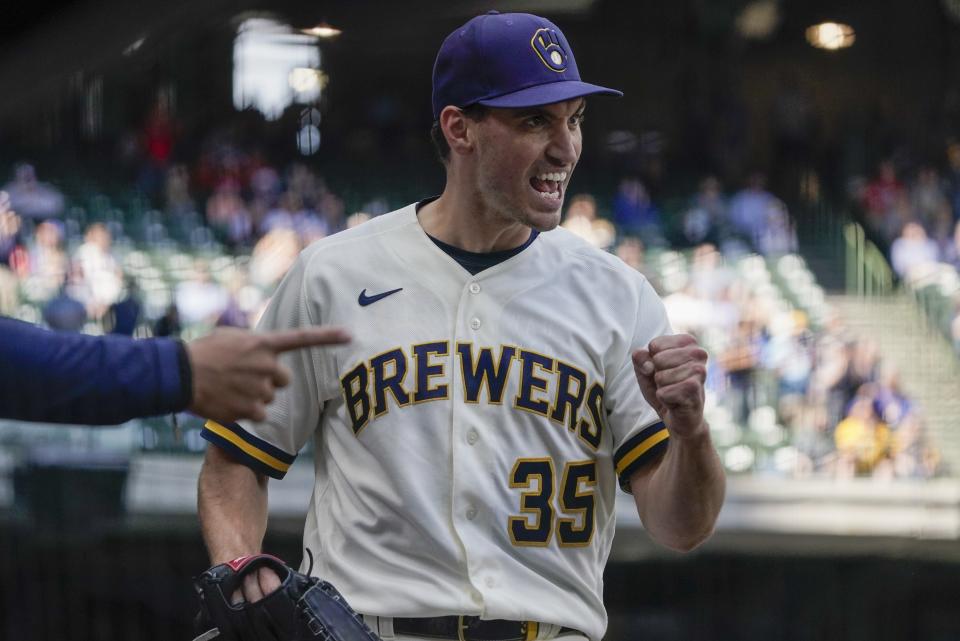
x=786 y=173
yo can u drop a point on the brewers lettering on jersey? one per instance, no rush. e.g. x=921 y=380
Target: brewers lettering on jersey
x=505 y=380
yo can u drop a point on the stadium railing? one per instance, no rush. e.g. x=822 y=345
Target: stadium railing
x=867 y=270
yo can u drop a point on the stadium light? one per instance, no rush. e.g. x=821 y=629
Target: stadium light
x=831 y=35
x=323 y=30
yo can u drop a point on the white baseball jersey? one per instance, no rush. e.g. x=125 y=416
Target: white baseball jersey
x=469 y=439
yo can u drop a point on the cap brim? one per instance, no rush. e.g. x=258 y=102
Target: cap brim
x=548 y=94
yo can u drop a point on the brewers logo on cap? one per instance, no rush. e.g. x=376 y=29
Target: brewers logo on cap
x=549 y=49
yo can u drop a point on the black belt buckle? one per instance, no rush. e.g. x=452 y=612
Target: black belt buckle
x=465 y=628
x=473 y=628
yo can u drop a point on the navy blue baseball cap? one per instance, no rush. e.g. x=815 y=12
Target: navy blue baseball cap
x=507 y=60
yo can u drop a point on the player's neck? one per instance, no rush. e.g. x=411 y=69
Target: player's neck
x=459 y=222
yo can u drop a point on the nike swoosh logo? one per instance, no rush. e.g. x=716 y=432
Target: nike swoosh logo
x=365 y=300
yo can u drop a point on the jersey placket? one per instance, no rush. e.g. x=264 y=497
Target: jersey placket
x=473 y=325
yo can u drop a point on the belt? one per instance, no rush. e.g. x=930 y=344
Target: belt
x=470 y=628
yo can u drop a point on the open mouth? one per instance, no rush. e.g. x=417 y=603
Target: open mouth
x=549 y=185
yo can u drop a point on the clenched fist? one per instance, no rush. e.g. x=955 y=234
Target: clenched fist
x=671 y=373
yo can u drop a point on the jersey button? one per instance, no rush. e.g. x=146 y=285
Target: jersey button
x=471 y=513
x=474 y=288
x=475 y=323
x=472 y=437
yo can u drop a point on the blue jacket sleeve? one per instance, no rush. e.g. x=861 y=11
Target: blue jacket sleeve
x=57 y=377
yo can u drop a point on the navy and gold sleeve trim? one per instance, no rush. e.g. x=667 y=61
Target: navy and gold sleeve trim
x=638 y=451
x=253 y=452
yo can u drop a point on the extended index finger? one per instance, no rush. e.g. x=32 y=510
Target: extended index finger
x=286 y=340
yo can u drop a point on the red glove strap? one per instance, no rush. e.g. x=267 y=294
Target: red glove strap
x=238 y=563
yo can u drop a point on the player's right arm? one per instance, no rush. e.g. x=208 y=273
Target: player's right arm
x=232 y=506
x=232 y=489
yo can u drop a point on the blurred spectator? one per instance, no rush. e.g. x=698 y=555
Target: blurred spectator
x=357 y=218
x=942 y=231
x=884 y=198
x=199 y=299
x=707 y=213
x=99 y=281
x=581 y=219
x=928 y=198
x=687 y=312
x=709 y=275
x=227 y=213
x=950 y=252
x=831 y=364
x=279 y=216
x=634 y=213
x=272 y=257
x=376 y=206
x=890 y=402
x=47 y=261
x=303 y=182
x=124 y=315
x=65 y=313
x=912 y=250
x=291 y=214
x=178 y=199
x=913 y=457
x=777 y=236
x=740 y=361
x=631 y=251
x=863 y=441
x=10 y=244
x=158 y=138
x=882 y=192
x=233 y=316
x=863 y=367
x=753 y=210
x=332 y=211
x=265 y=184
x=169 y=323
x=788 y=353
x=31 y=198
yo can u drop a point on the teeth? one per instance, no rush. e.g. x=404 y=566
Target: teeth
x=558 y=176
x=550 y=194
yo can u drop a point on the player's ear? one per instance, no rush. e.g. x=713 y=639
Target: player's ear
x=455 y=127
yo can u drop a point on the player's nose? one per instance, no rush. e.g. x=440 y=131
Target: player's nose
x=564 y=147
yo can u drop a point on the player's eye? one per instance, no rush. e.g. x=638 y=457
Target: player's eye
x=577 y=120
x=535 y=121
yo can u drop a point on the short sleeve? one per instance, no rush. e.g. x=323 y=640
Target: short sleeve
x=270 y=446
x=639 y=436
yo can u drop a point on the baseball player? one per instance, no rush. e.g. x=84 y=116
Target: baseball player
x=505 y=379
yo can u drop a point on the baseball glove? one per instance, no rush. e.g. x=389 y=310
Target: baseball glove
x=303 y=608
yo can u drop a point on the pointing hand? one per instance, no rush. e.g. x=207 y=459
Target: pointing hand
x=236 y=372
